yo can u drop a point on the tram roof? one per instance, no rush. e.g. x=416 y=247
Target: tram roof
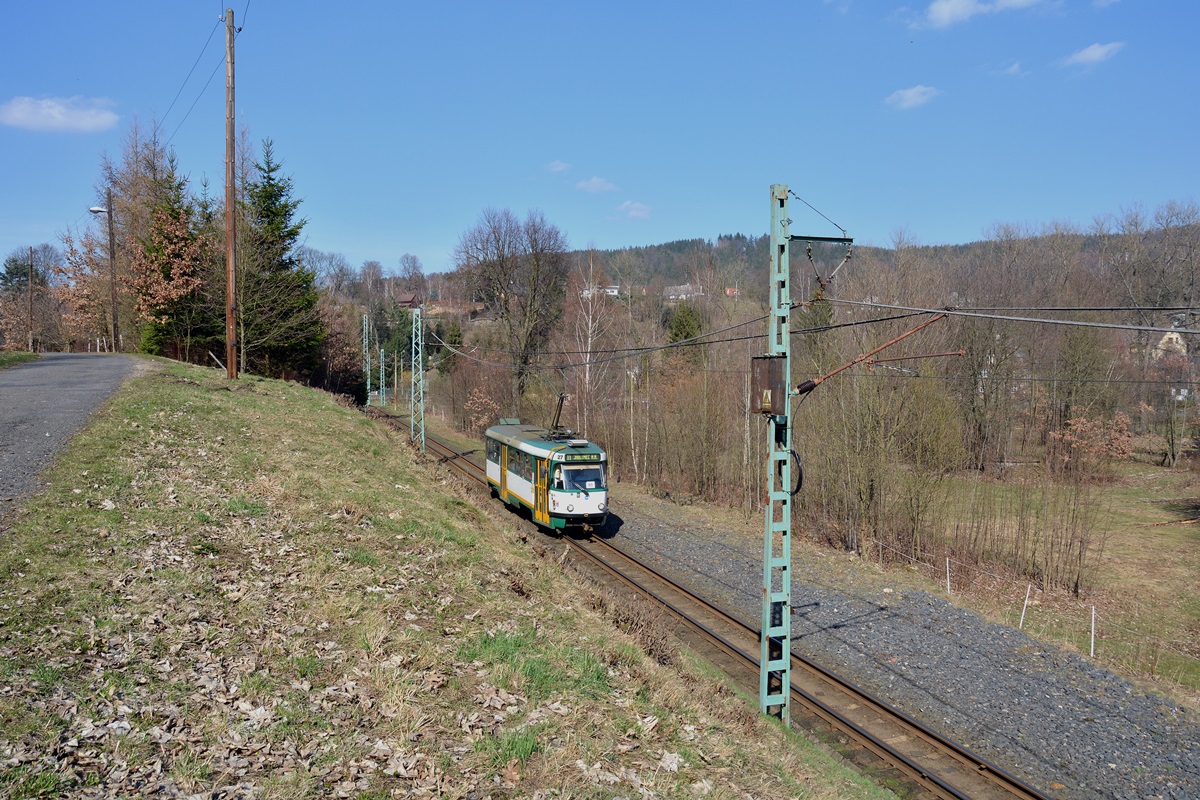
x=541 y=441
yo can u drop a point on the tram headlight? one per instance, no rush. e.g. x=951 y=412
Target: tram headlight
x=570 y=508
x=600 y=506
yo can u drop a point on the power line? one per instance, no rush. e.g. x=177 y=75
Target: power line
x=632 y=351
x=203 y=50
x=212 y=75
x=952 y=311
x=1154 y=309
x=617 y=354
x=694 y=341
x=198 y=96
x=1040 y=379
x=703 y=340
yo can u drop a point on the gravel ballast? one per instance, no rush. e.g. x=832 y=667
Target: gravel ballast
x=1050 y=717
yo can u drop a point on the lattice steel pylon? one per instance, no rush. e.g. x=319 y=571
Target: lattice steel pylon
x=367 y=355
x=774 y=688
x=417 y=393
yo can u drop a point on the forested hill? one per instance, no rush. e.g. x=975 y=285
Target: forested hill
x=731 y=260
x=738 y=260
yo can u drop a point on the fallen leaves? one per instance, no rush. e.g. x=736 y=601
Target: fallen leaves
x=207 y=650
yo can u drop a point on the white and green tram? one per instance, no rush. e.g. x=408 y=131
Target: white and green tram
x=561 y=480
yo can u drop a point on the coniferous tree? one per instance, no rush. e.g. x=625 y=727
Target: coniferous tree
x=280 y=326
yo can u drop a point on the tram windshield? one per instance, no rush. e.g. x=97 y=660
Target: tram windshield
x=581 y=478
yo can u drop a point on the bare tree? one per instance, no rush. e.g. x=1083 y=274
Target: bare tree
x=519 y=270
x=333 y=271
x=412 y=276
x=590 y=319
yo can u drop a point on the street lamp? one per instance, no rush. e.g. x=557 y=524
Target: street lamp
x=112 y=263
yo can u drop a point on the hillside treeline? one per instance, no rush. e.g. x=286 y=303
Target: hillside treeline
x=148 y=274
x=988 y=436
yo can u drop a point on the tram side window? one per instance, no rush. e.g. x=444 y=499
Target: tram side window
x=493 y=451
x=520 y=464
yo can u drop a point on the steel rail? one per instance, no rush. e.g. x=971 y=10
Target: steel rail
x=987 y=780
x=861 y=700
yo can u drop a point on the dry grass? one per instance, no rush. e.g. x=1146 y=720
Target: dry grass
x=249 y=589
x=1147 y=601
x=10 y=358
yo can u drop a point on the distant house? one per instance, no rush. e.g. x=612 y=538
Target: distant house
x=1171 y=342
x=683 y=292
x=607 y=291
x=732 y=291
x=408 y=300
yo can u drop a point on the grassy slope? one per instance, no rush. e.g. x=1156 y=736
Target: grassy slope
x=12 y=358
x=247 y=585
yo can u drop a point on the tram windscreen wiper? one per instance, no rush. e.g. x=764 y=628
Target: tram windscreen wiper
x=584 y=479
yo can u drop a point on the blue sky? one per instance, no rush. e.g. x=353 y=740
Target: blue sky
x=625 y=123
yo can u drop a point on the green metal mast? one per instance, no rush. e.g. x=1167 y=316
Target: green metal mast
x=367 y=355
x=417 y=393
x=774 y=688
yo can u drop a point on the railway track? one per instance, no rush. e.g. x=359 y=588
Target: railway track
x=879 y=737
x=886 y=739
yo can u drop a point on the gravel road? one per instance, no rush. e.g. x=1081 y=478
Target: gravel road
x=1052 y=718
x=42 y=404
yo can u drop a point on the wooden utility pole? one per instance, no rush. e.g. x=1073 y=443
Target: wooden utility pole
x=231 y=365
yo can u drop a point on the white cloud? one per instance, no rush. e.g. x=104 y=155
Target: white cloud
x=1093 y=54
x=74 y=114
x=917 y=96
x=558 y=166
x=634 y=210
x=595 y=185
x=944 y=13
x=1014 y=70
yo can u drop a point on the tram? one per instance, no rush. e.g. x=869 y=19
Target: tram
x=562 y=480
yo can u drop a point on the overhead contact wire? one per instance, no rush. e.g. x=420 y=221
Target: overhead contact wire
x=955 y=312
x=636 y=352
